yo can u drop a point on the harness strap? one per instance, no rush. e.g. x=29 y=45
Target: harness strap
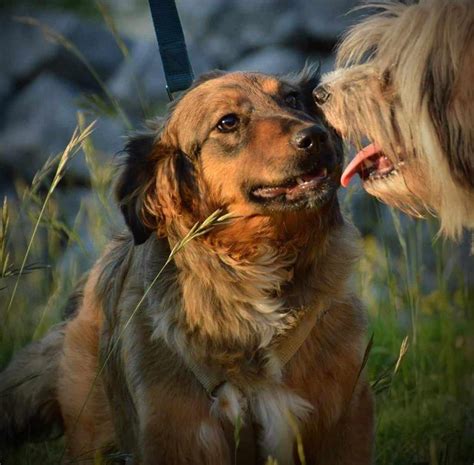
x=284 y=351
x=296 y=337
x=174 y=55
x=209 y=380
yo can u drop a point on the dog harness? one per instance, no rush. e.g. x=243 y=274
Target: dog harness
x=284 y=351
x=247 y=451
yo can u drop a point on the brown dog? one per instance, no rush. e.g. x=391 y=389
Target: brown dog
x=252 y=323
x=405 y=82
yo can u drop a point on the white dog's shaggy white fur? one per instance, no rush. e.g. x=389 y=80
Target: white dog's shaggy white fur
x=405 y=81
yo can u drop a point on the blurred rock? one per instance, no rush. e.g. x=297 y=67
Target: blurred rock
x=41 y=120
x=201 y=61
x=227 y=30
x=325 y=21
x=139 y=83
x=109 y=138
x=99 y=48
x=6 y=86
x=39 y=123
x=25 y=49
x=140 y=78
x=271 y=60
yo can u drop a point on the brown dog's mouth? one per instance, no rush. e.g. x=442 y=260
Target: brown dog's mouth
x=294 y=188
x=370 y=164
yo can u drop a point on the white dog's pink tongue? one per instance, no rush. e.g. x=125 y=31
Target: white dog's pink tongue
x=357 y=162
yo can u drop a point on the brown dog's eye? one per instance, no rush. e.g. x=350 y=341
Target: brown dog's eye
x=292 y=100
x=228 y=123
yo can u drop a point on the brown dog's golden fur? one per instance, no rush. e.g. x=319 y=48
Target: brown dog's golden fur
x=405 y=82
x=229 y=298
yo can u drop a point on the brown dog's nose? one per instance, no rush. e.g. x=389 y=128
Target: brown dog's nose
x=321 y=94
x=310 y=138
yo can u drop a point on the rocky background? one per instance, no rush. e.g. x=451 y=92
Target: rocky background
x=43 y=83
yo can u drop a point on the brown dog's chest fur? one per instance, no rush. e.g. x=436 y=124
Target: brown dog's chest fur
x=223 y=315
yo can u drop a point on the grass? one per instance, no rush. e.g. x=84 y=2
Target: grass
x=416 y=291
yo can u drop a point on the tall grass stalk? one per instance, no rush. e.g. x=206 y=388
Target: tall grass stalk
x=409 y=275
x=385 y=379
x=237 y=431
x=71 y=149
x=100 y=175
x=4 y=254
x=299 y=439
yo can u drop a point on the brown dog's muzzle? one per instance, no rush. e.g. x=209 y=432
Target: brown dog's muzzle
x=307 y=174
x=313 y=150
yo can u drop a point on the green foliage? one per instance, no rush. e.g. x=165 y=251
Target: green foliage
x=422 y=318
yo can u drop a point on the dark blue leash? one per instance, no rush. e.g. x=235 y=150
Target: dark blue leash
x=174 y=54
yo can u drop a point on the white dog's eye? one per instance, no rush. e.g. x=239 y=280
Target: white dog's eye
x=386 y=78
x=228 y=123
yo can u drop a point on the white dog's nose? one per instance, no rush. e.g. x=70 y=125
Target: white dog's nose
x=321 y=94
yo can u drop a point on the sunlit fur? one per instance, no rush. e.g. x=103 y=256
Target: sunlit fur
x=404 y=80
x=224 y=302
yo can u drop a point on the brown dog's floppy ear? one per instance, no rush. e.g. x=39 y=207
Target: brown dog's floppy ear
x=135 y=182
